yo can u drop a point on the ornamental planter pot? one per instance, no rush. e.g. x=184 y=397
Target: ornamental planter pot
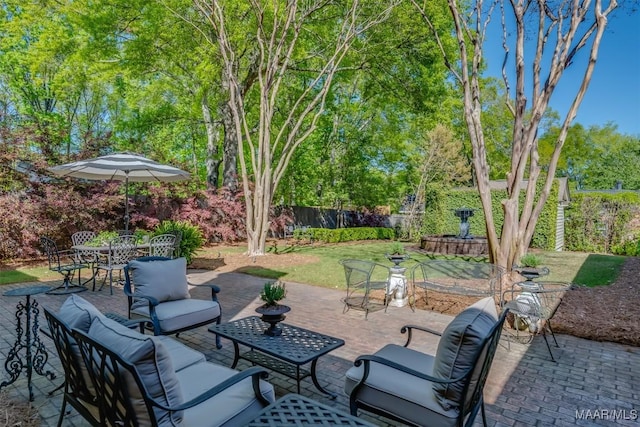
x=273 y=314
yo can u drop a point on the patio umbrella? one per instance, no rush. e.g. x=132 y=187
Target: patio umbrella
x=121 y=167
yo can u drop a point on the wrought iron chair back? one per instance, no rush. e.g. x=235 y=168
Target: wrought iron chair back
x=82 y=238
x=108 y=373
x=76 y=391
x=121 y=250
x=162 y=245
x=63 y=262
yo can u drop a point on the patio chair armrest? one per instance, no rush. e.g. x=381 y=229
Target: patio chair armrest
x=215 y=290
x=153 y=302
x=256 y=373
x=367 y=359
x=408 y=329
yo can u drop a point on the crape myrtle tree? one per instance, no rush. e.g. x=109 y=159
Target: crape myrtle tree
x=295 y=48
x=564 y=33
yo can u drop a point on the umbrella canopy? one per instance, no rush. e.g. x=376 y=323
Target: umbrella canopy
x=121 y=167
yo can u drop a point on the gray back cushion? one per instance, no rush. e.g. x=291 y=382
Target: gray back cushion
x=153 y=364
x=162 y=280
x=78 y=313
x=458 y=347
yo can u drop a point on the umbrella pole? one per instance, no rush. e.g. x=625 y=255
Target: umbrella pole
x=126 y=202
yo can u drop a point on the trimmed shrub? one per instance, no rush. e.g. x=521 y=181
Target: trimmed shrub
x=191 y=236
x=351 y=234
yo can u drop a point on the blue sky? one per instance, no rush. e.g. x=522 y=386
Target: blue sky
x=614 y=92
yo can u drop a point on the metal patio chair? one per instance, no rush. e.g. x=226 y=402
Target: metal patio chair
x=121 y=250
x=162 y=245
x=65 y=263
x=532 y=306
x=362 y=278
x=441 y=389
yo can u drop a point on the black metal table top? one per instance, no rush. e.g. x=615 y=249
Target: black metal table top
x=27 y=290
x=296 y=410
x=295 y=345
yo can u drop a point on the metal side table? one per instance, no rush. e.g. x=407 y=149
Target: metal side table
x=35 y=354
x=295 y=410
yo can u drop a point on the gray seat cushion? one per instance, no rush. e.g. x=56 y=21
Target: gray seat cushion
x=458 y=347
x=233 y=407
x=164 y=280
x=400 y=393
x=153 y=363
x=176 y=315
x=182 y=356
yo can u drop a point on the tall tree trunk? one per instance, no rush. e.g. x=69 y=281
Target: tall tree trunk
x=230 y=149
x=213 y=156
x=560 y=28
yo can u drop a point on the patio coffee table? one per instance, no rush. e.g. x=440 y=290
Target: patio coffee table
x=295 y=410
x=285 y=353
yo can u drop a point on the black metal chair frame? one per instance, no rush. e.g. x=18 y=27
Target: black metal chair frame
x=548 y=296
x=75 y=387
x=154 y=322
x=122 y=249
x=456 y=270
x=366 y=269
x=468 y=409
x=107 y=371
x=68 y=270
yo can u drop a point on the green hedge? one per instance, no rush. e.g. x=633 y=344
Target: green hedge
x=440 y=218
x=603 y=222
x=349 y=234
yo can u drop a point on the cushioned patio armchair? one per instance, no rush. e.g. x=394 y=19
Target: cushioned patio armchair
x=115 y=376
x=418 y=389
x=157 y=289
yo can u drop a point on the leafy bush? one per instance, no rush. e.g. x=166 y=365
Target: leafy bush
x=603 y=222
x=191 y=240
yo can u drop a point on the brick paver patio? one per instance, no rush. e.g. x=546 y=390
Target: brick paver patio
x=598 y=382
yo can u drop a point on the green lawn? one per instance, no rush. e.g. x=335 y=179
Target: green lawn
x=575 y=267
x=323 y=269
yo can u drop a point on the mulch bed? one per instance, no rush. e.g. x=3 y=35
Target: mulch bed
x=604 y=313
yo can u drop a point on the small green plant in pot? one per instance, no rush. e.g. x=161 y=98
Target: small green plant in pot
x=273 y=312
x=396 y=248
x=530 y=261
x=530 y=267
x=272 y=292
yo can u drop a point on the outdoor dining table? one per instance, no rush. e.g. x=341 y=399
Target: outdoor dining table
x=101 y=250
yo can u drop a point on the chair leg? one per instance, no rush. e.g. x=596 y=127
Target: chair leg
x=546 y=341
x=111 y=282
x=218 y=343
x=552 y=334
x=67 y=286
x=62 y=410
x=483 y=414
